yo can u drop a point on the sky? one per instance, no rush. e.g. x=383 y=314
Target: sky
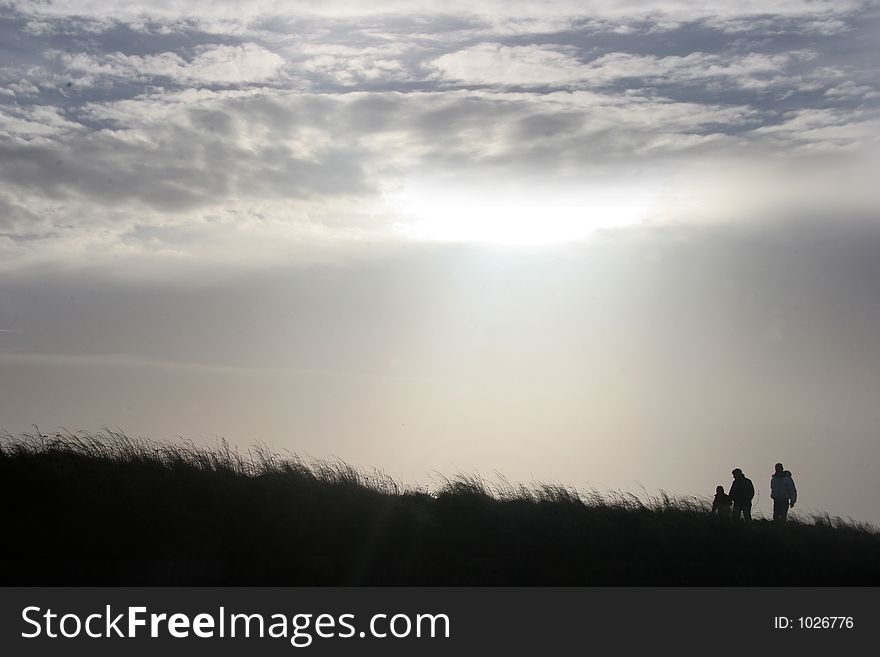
x=615 y=245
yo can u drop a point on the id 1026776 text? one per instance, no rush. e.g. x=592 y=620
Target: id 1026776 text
x=813 y=623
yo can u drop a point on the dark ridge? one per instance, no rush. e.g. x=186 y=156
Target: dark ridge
x=106 y=509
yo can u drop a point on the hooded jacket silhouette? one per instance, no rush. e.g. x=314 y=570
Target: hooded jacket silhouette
x=782 y=487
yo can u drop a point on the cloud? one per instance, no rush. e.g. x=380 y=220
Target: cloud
x=230 y=132
x=497 y=64
x=749 y=70
x=202 y=147
x=537 y=66
x=825 y=130
x=850 y=89
x=236 y=173
x=211 y=172
x=456 y=22
x=230 y=9
x=31 y=121
x=211 y=64
x=22 y=88
x=348 y=65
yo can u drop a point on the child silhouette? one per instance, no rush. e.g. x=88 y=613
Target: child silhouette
x=721 y=503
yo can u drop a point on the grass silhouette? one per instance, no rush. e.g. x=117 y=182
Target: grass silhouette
x=107 y=509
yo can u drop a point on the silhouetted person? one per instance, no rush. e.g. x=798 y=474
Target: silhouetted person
x=742 y=491
x=721 y=503
x=783 y=492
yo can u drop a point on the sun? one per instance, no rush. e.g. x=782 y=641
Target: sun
x=517 y=217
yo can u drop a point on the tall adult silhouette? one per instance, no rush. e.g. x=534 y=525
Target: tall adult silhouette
x=783 y=492
x=742 y=491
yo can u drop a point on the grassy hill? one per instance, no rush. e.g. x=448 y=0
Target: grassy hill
x=108 y=509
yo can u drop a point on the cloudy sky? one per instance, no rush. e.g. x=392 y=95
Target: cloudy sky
x=611 y=244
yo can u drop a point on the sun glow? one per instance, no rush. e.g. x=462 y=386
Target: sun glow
x=516 y=218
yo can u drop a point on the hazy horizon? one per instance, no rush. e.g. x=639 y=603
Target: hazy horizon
x=613 y=246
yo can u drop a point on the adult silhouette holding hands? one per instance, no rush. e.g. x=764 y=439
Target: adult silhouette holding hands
x=783 y=492
x=742 y=491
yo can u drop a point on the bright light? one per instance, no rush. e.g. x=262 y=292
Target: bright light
x=515 y=218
